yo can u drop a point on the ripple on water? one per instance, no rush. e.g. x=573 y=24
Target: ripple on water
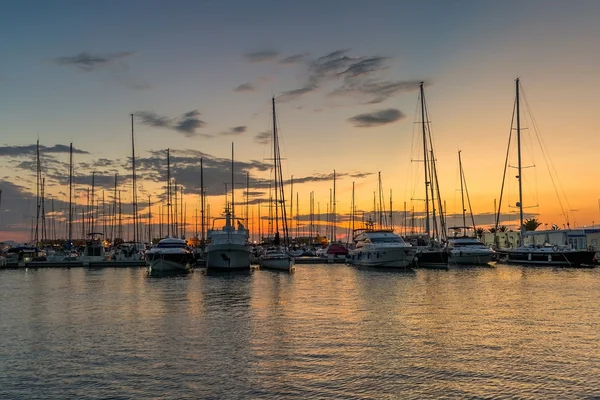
x=324 y=332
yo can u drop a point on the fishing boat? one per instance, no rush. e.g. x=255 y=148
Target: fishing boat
x=94 y=249
x=431 y=253
x=532 y=253
x=464 y=247
x=228 y=247
x=277 y=256
x=169 y=255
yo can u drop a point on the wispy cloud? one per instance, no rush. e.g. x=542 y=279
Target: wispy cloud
x=261 y=55
x=17 y=151
x=236 y=130
x=186 y=124
x=295 y=93
x=372 y=92
x=88 y=62
x=263 y=137
x=244 y=87
x=294 y=59
x=376 y=118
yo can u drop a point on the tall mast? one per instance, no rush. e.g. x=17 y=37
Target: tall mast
x=334 y=209
x=182 y=216
x=380 y=203
x=43 y=201
x=149 y=220
x=521 y=227
x=168 y=195
x=232 y=185
x=202 y=202
x=114 y=232
x=425 y=164
x=92 y=203
x=292 y=200
x=352 y=214
x=462 y=192
x=275 y=171
x=70 y=194
x=103 y=217
x=134 y=184
x=175 y=220
x=391 y=212
x=37 y=191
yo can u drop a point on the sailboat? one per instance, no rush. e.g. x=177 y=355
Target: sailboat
x=464 y=248
x=543 y=248
x=171 y=254
x=228 y=247
x=430 y=251
x=277 y=255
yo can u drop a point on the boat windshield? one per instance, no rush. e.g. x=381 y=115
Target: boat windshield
x=467 y=243
x=170 y=245
x=388 y=239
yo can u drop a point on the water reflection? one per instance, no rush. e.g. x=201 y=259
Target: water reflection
x=329 y=331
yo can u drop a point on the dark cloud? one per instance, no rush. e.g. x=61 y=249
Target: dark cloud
x=373 y=92
x=88 y=62
x=262 y=55
x=236 y=130
x=244 y=87
x=376 y=118
x=295 y=93
x=296 y=58
x=17 y=151
x=187 y=124
x=263 y=137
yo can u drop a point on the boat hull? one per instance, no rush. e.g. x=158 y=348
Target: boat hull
x=431 y=258
x=547 y=258
x=168 y=264
x=470 y=257
x=278 y=263
x=227 y=257
x=384 y=258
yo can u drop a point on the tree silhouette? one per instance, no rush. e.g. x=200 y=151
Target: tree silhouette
x=531 y=224
x=479 y=232
x=502 y=228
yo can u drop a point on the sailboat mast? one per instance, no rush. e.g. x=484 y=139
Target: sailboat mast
x=168 y=195
x=232 y=185
x=37 y=192
x=92 y=204
x=70 y=193
x=275 y=170
x=134 y=185
x=202 y=200
x=521 y=227
x=425 y=165
x=462 y=191
x=334 y=211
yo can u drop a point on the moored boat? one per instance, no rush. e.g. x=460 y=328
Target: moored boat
x=169 y=255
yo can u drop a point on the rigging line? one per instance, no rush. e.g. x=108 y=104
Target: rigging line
x=549 y=164
x=464 y=180
x=505 y=169
x=412 y=151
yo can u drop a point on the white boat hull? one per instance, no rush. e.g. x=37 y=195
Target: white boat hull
x=227 y=256
x=278 y=263
x=388 y=258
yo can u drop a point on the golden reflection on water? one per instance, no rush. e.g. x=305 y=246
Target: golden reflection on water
x=324 y=331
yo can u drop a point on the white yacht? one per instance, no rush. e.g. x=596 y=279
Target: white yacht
x=228 y=248
x=380 y=248
x=468 y=250
x=169 y=255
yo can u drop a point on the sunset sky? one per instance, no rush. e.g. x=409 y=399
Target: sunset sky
x=199 y=75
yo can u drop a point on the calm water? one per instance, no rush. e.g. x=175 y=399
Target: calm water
x=323 y=332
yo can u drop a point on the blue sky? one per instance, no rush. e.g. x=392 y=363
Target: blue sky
x=166 y=59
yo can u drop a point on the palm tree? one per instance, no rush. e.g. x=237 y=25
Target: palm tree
x=479 y=232
x=492 y=230
x=502 y=228
x=531 y=224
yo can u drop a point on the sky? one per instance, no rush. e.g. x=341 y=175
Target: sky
x=199 y=75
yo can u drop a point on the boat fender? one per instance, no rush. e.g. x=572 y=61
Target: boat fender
x=555 y=248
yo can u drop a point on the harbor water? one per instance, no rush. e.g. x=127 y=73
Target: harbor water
x=326 y=331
